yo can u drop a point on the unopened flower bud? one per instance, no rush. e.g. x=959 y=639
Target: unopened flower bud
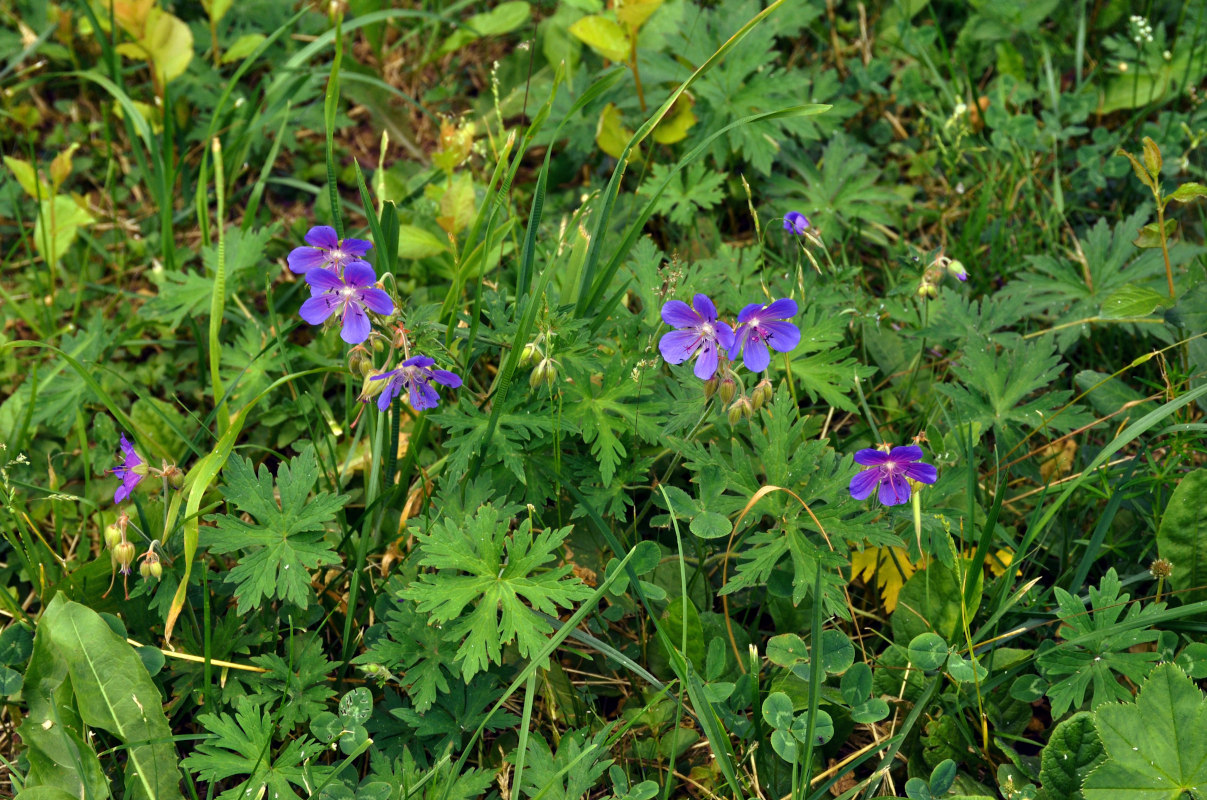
x=927 y=291
x=113 y=535
x=359 y=361
x=174 y=474
x=762 y=394
x=710 y=388
x=727 y=390
x=151 y=568
x=527 y=354
x=741 y=409
x=956 y=270
x=123 y=556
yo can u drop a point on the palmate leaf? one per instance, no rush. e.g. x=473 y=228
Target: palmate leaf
x=1156 y=747
x=415 y=653
x=823 y=367
x=606 y=409
x=284 y=541
x=517 y=434
x=488 y=583
x=695 y=189
x=572 y=771
x=296 y=683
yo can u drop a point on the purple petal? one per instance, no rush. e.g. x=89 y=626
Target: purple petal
x=679 y=314
x=749 y=311
x=782 y=336
x=706 y=364
x=377 y=301
x=423 y=396
x=303 y=259
x=909 y=452
x=383 y=376
x=894 y=489
x=121 y=493
x=419 y=361
x=446 y=378
x=871 y=458
x=784 y=308
x=755 y=356
x=356 y=324
x=356 y=247
x=864 y=483
x=392 y=390
x=130 y=457
x=322 y=236
x=739 y=341
x=317 y=309
x=922 y=473
x=704 y=307
x=724 y=334
x=359 y=273
x=324 y=280
x=678 y=346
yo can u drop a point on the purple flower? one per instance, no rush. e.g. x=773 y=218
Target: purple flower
x=760 y=326
x=327 y=252
x=351 y=294
x=699 y=330
x=796 y=222
x=130 y=471
x=889 y=471
x=415 y=375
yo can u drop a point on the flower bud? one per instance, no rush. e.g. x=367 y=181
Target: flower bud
x=710 y=388
x=175 y=475
x=113 y=535
x=538 y=374
x=762 y=394
x=727 y=389
x=956 y=270
x=359 y=361
x=741 y=409
x=123 y=556
x=150 y=567
x=927 y=291
x=527 y=354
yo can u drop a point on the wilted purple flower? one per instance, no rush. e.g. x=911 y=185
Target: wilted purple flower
x=699 y=330
x=889 y=471
x=760 y=326
x=327 y=251
x=415 y=375
x=796 y=222
x=132 y=470
x=351 y=294
x=956 y=270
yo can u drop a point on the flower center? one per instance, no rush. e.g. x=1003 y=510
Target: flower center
x=707 y=330
x=889 y=466
x=347 y=292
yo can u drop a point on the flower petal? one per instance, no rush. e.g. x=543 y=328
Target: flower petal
x=679 y=314
x=359 y=273
x=423 y=396
x=322 y=236
x=871 y=458
x=678 y=346
x=704 y=307
x=894 y=489
x=864 y=483
x=755 y=356
x=356 y=247
x=782 y=336
x=392 y=390
x=446 y=378
x=383 y=376
x=356 y=324
x=419 y=361
x=377 y=301
x=922 y=473
x=324 y=280
x=318 y=308
x=303 y=259
x=910 y=452
x=749 y=311
x=784 y=308
x=724 y=334
x=706 y=364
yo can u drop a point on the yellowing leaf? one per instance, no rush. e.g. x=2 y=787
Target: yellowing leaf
x=149 y=112
x=677 y=122
x=242 y=47
x=634 y=13
x=166 y=42
x=28 y=178
x=60 y=168
x=611 y=135
x=603 y=36
x=415 y=242
x=216 y=8
x=58 y=222
x=457 y=204
x=1057 y=460
x=891 y=568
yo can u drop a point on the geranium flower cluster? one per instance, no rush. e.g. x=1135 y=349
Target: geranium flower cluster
x=131 y=469
x=342 y=281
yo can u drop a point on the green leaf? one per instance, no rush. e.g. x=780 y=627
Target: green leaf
x=503 y=18
x=1182 y=537
x=1156 y=747
x=1133 y=301
x=1189 y=191
x=59 y=220
x=415 y=242
x=930 y=603
x=114 y=692
x=242 y=47
x=927 y=651
x=611 y=134
x=1072 y=751
x=283 y=542
x=1150 y=234
x=16 y=644
x=687 y=192
x=604 y=36
x=711 y=525
x=28 y=178
x=778 y=711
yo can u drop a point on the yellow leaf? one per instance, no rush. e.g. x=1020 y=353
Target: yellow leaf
x=28 y=178
x=611 y=135
x=1057 y=460
x=60 y=168
x=891 y=568
x=677 y=122
x=603 y=36
x=457 y=204
x=170 y=44
x=634 y=13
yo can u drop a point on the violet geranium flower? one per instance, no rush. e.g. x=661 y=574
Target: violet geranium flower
x=327 y=251
x=796 y=222
x=699 y=330
x=763 y=325
x=351 y=295
x=889 y=471
x=132 y=470
x=415 y=375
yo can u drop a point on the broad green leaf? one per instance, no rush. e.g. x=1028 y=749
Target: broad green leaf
x=58 y=222
x=16 y=644
x=1072 y=751
x=711 y=525
x=1133 y=301
x=927 y=651
x=504 y=18
x=778 y=711
x=634 y=13
x=1189 y=191
x=28 y=178
x=681 y=613
x=1150 y=234
x=1182 y=537
x=114 y=692
x=603 y=36
x=242 y=47
x=787 y=650
x=1156 y=747
x=415 y=242
x=457 y=204
x=930 y=602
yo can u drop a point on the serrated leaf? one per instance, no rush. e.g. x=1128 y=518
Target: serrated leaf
x=1133 y=301
x=1189 y=191
x=1156 y=747
x=603 y=36
x=283 y=542
x=1072 y=751
x=1182 y=537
